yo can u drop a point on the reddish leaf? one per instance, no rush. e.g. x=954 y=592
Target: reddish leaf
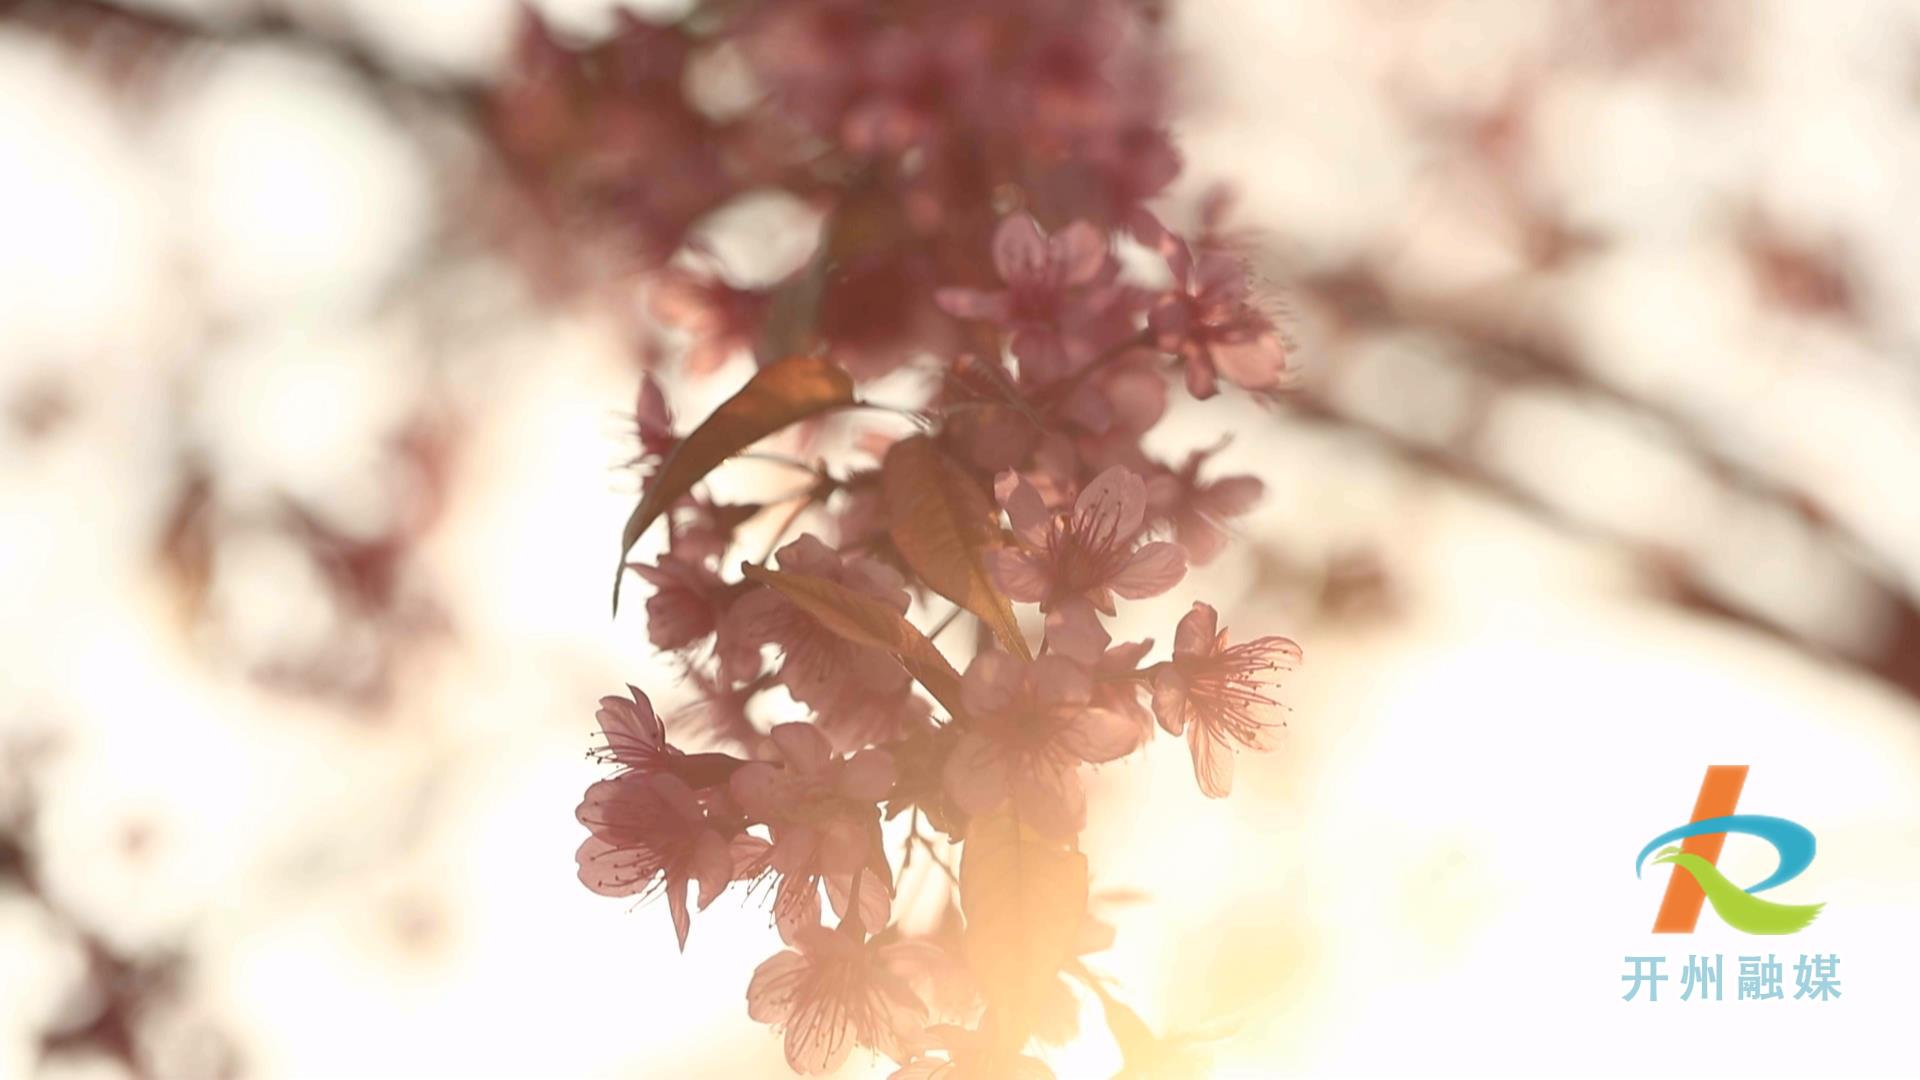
x=1024 y=897
x=941 y=521
x=866 y=621
x=777 y=395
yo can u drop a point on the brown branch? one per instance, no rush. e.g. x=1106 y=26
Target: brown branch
x=1506 y=357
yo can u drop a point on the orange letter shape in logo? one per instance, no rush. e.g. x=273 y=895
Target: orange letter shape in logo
x=1719 y=794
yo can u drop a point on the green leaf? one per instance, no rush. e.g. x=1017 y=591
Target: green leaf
x=777 y=395
x=1024 y=897
x=864 y=620
x=941 y=521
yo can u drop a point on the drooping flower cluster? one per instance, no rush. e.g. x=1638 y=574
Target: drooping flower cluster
x=979 y=170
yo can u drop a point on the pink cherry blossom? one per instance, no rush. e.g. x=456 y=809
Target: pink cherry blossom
x=701 y=530
x=1030 y=726
x=831 y=992
x=721 y=319
x=818 y=666
x=653 y=426
x=1118 y=682
x=635 y=739
x=1045 y=277
x=929 y=145
x=719 y=708
x=1218 y=695
x=1208 y=321
x=870 y=719
x=688 y=599
x=1199 y=510
x=1073 y=564
x=825 y=822
x=650 y=834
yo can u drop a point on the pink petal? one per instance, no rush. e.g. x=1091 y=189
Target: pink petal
x=875 y=579
x=1170 y=320
x=601 y=803
x=879 y=867
x=876 y=906
x=749 y=854
x=1090 y=409
x=1075 y=631
x=1220 y=278
x=667 y=575
x=1026 y=510
x=761 y=789
x=1212 y=761
x=677 y=906
x=1197 y=631
x=712 y=866
x=1042 y=354
x=775 y=986
x=1139 y=398
x=1260 y=364
x=818 y=942
x=1112 y=507
x=796 y=845
x=1078 y=252
x=1020 y=250
x=975 y=775
x=633 y=731
x=1230 y=496
x=815 y=665
x=677 y=618
x=1179 y=258
x=739 y=652
x=803 y=747
x=1202 y=540
x=1200 y=379
x=1170 y=699
x=1153 y=569
x=991 y=682
x=1125 y=656
x=1059 y=680
x=867 y=776
x=1282 y=653
x=819 y=1034
x=994 y=307
x=677 y=795
x=808 y=554
x=613 y=871
x=796 y=906
x=844 y=844
x=1098 y=735
x=754 y=619
x=650 y=411
x=1265 y=737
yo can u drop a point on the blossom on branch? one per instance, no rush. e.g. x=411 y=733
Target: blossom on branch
x=1073 y=564
x=650 y=834
x=831 y=992
x=1032 y=725
x=1218 y=694
x=824 y=816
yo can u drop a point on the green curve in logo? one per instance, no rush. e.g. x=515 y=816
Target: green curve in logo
x=1737 y=908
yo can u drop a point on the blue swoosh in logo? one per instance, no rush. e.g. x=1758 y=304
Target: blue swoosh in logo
x=1792 y=841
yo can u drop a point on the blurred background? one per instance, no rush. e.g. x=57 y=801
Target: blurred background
x=312 y=441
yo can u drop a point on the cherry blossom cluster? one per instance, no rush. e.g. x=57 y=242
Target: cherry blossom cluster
x=983 y=172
